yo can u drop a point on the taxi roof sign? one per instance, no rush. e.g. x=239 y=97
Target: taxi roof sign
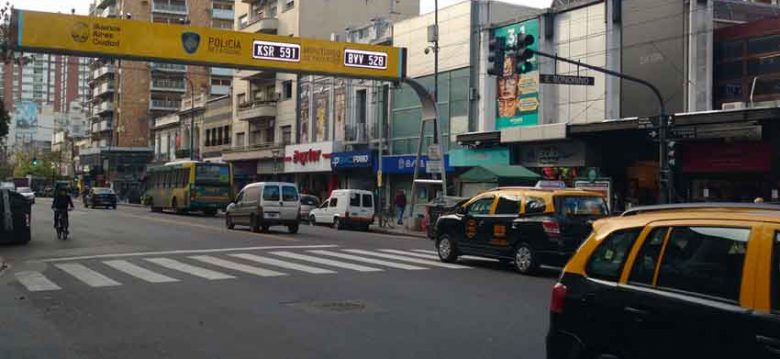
x=148 y=41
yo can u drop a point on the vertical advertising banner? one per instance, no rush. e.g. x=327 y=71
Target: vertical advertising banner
x=321 y=116
x=303 y=118
x=340 y=110
x=518 y=94
x=26 y=117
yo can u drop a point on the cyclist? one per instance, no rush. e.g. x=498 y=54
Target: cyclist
x=60 y=206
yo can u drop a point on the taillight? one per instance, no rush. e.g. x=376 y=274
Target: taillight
x=558 y=297
x=551 y=228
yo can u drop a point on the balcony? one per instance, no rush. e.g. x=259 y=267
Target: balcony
x=102 y=89
x=164 y=105
x=220 y=90
x=102 y=71
x=222 y=14
x=102 y=126
x=221 y=71
x=163 y=67
x=104 y=107
x=260 y=24
x=254 y=151
x=176 y=8
x=168 y=86
x=102 y=4
x=257 y=109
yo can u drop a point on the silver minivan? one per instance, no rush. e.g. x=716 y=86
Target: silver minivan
x=264 y=204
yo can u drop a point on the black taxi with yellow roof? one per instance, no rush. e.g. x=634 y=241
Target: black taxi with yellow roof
x=525 y=225
x=675 y=281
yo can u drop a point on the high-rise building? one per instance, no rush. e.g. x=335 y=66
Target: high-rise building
x=129 y=95
x=266 y=103
x=45 y=79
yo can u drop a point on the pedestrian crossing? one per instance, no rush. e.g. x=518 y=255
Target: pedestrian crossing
x=107 y=272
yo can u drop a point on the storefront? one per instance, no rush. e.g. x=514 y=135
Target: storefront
x=309 y=165
x=721 y=171
x=399 y=173
x=355 y=169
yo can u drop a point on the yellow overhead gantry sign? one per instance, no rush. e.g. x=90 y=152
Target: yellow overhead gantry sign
x=146 y=41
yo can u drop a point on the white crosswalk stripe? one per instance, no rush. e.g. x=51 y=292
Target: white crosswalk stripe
x=367 y=260
x=412 y=254
x=139 y=272
x=328 y=262
x=282 y=264
x=35 y=281
x=262 y=272
x=425 y=251
x=407 y=259
x=86 y=275
x=189 y=269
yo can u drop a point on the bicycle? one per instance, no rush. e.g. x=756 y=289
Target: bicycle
x=61 y=223
x=387 y=218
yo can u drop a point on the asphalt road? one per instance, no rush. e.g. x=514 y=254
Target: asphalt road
x=133 y=284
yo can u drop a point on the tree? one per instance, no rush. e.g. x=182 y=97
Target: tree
x=46 y=166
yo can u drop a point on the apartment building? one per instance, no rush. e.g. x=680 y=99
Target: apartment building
x=267 y=104
x=45 y=79
x=129 y=95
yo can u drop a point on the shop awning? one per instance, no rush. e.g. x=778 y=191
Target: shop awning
x=498 y=173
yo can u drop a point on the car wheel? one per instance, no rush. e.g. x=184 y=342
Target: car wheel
x=253 y=225
x=338 y=224
x=229 y=222
x=174 y=205
x=446 y=248
x=312 y=220
x=293 y=228
x=525 y=259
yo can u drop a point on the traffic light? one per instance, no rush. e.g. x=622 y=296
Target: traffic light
x=35 y=161
x=523 y=54
x=671 y=153
x=496 y=55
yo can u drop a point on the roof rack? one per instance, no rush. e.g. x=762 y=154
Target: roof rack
x=702 y=205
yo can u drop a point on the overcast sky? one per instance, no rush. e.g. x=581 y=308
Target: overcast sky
x=82 y=6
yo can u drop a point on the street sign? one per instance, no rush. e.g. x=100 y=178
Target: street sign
x=143 y=40
x=684 y=132
x=433 y=166
x=434 y=152
x=567 y=80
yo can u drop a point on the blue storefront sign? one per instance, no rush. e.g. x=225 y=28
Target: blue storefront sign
x=353 y=160
x=405 y=164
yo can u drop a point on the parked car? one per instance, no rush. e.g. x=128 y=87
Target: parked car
x=28 y=194
x=308 y=202
x=346 y=208
x=676 y=281
x=101 y=196
x=264 y=204
x=527 y=226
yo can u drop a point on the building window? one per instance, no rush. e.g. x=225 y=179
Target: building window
x=287 y=90
x=270 y=135
x=289 y=4
x=286 y=135
x=272 y=11
x=240 y=138
x=227 y=134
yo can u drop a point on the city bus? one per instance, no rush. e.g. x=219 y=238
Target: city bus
x=185 y=186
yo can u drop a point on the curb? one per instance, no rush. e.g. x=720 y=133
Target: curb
x=131 y=205
x=418 y=235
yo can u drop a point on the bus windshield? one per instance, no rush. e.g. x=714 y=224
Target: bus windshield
x=212 y=174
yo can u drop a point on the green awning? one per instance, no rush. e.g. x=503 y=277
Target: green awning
x=498 y=173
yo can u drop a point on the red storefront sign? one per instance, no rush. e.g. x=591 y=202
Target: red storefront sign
x=306 y=156
x=726 y=157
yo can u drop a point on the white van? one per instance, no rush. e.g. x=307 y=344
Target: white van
x=346 y=207
x=264 y=204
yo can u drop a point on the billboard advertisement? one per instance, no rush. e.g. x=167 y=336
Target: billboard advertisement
x=518 y=94
x=26 y=117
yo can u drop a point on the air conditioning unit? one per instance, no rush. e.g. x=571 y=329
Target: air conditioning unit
x=733 y=106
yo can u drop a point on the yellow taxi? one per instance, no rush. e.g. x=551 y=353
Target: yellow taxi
x=673 y=281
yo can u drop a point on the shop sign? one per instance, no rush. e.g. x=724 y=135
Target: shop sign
x=726 y=157
x=562 y=154
x=308 y=157
x=353 y=160
x=478 y=157
x=405 y=164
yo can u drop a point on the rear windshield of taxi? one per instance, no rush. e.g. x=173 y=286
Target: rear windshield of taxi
x=580 y=206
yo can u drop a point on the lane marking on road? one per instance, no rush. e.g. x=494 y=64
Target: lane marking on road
x=86 y=275
x=282 y=264
x=262 y=272
x=368 y=260
x=218 y=228
x=411 y=254
x=407 y=259
x=35 y=281
x=178 y=251
x=139 y=272
x=425 y=251
x=327 y=262
x=189 y=269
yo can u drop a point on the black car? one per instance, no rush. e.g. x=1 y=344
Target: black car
x=527 y=226
x=101 y=197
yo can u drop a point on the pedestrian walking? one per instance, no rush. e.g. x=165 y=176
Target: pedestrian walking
x=400 y=205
